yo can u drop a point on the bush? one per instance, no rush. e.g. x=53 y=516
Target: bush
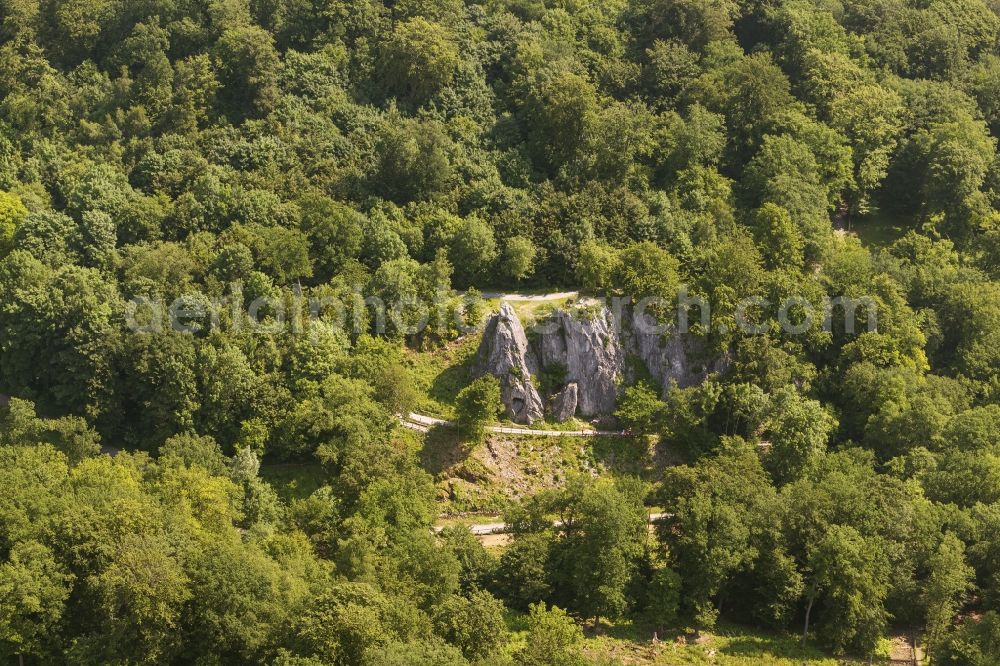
x=553 y=638
x=477 y=405
x=475 y=624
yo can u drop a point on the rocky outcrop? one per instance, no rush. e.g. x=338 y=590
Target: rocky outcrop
x=563 y=406
x=504 y=353
x=587 y=345
x=582 y=355
x=672 y=358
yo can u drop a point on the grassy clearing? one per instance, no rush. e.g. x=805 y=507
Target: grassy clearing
x=629 y=642
x=439 y=375
x=880 y=229
x=730 y=645
x=441 y=449
x=530 y=312
x=469 y=520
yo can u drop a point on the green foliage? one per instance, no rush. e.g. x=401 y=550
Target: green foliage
x=949 y=581
x=34 y=588
x=294 y=155
x=589 y=562
x=477 y=564
x=472 y=250
x=716 y=509
x=156 y=558
x=785 y=172
x=417 y=61
x=975 y=643
x=640 y=409
x=597 y=265
x=799 y=430
x=475 y=624
x=12 y=214
x=664 y=596
x=647 y=270
x=417 y=653
x=853 y=577
x=248 y=65
x=604 y=524
x=696 y=24
x=553 y=638
x=558 y=110
x=476 y=406
x=412 y=160
x=519 y=258
x=522 y=573
x=70 y=435
x=361 y=619
x=334 y=232
x=780 y=237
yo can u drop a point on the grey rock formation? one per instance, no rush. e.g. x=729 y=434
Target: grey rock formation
x=504 y=353
x=563 y=406
x=586 y=343
x=587 y=349
x=672 y=358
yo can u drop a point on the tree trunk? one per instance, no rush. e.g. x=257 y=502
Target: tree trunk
x=812 y=599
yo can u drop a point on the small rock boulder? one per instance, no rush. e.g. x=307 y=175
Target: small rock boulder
x=564 y=403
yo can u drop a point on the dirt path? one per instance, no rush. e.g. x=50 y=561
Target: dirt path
x=422 y=423
x=903 y=651
x=494 y=540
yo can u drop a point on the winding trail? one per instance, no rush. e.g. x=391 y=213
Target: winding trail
x=422 y=423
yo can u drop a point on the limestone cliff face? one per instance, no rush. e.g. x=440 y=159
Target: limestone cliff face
x=588 y=346
x=671 y=357
x=504 y=353
x=587 y=349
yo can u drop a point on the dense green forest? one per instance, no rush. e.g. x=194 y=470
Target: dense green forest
x=208 y=155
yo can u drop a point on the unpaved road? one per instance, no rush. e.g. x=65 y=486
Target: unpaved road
x=485 y=529
x=422 y=423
